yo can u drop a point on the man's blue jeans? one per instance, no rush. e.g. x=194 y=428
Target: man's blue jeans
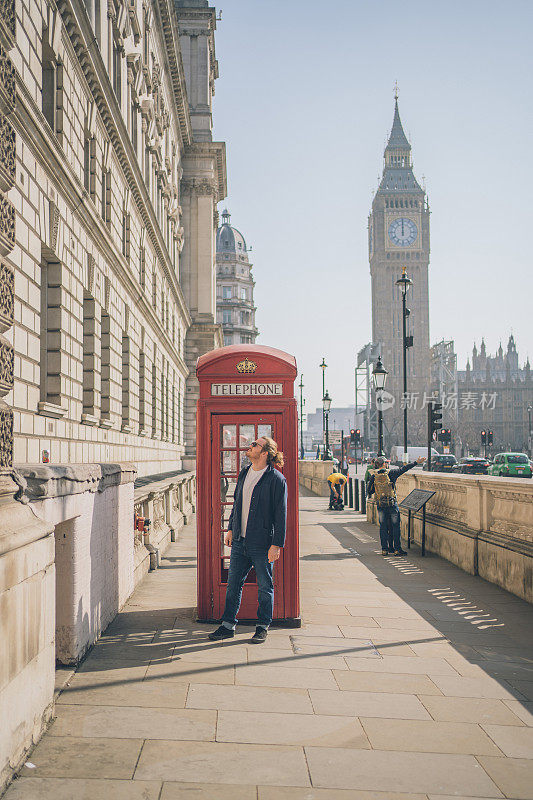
x=243 y=558
x=390 y=515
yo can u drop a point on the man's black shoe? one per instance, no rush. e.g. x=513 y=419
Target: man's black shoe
x=385 y=552
x=259 y=636
x=221 y=633
x=400 y=552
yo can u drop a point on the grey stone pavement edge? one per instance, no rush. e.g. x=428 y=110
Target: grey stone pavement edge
x=408 y=679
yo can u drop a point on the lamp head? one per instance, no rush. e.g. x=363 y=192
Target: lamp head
x=379 y=374
x=326 y=402
x=404 y=282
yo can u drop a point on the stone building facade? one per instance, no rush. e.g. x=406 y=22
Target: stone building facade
x=109 y=180
x=494 y=393
x=398 y=238
x=235 y=286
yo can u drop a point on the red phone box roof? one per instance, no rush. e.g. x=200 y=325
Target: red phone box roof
x=254 y=366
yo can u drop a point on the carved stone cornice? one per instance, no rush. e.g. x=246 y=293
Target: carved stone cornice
x=7 y=226
x=199 y=186
x=48 y=481
x=7 y=366
x=7 y=23
x=7 y=290
x=7 y=83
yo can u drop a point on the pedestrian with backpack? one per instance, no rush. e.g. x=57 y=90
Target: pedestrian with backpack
x=382 y=483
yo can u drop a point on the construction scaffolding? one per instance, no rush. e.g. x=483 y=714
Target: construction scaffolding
x=364 y=399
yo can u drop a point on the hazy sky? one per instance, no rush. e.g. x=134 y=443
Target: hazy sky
x=305 y=104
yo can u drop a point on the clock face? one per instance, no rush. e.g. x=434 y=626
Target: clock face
x=403 y=232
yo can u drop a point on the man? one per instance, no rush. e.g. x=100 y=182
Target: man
x=336 y=483
x=382 y=483
x=256 y=535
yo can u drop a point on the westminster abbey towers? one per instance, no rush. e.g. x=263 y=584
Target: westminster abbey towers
x=398 y=238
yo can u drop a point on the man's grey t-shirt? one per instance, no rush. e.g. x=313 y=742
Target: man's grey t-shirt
x=253 y=476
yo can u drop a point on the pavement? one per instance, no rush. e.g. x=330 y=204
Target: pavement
x=408 y=679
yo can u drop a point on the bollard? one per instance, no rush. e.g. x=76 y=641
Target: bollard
x=356 y=493
x=363 y=498
x=345 y=493
x=350 y=492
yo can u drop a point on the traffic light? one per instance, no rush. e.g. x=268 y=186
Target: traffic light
x=434 y=417
x=448 y=436
x=490 y=437
x=484 y=437
x=352 y=435
x=441 y=436
x=357 y=436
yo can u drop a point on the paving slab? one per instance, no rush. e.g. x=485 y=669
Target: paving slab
x=191 y=672
x=514 y=776
x=367 y=704
x=298 y=729
x=512 y=742
x=121 y=722
x=207 y=791
x=82 y=789
x=399 y=771
x=291 y=793
x=235 y=763
x=306 y=678
x=470 y=709
x=402 y=665
x=77 y=757
x=249 y=698
x=523 y=711
x=147 y=694
x=424 y=736
x=385 y=682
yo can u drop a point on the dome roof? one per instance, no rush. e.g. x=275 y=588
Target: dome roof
x=229 y=239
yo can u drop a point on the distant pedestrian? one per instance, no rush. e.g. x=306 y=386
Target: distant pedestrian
x=256 y=535
x=382 y=483
x=336 y=483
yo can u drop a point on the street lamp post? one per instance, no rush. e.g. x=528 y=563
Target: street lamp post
x=379 y=376
x=326 y=405
x=404 y=283
x=530 y=432
x=302 y=403
x=323 y=367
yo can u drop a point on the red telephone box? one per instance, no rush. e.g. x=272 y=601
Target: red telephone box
x=246 y=391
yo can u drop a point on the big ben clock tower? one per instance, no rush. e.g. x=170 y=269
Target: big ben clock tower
x=398 y=238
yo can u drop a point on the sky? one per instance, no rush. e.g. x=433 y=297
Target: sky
x=305 y=103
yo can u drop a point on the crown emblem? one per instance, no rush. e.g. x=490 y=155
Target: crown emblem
x=246 y=367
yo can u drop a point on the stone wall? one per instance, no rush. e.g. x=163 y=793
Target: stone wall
x=482 y=524
x=91 y=508
x=27 y=622
x=313 y=475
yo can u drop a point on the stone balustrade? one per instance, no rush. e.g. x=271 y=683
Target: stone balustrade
x=168 y=501
x=313 y=475
x=482 y=524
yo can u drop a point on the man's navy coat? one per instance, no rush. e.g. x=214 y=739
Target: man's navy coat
x=267 y=518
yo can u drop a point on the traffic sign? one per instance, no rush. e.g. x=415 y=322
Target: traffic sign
x=335 y=438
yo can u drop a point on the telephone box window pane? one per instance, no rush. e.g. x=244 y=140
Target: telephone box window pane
x=225 y=513
x=244 y=460
x=229 y=436
x=227 y=489
x=246 y=435
x=229 y=462
x=264 y=430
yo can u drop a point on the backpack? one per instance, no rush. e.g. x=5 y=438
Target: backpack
x=383 y=488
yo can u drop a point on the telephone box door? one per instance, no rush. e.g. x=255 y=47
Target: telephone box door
x=232 y=435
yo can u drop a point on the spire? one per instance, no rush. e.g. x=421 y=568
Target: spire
x=483 y=350
x=397 y=139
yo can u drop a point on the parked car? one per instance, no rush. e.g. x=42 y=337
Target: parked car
x=472 y=465
x=511 y=465
x=442 y=463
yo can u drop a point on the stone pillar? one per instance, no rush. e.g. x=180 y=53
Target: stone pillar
x=27 y=590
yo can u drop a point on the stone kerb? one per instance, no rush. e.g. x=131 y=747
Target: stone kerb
x=313 y=475
x=91 y=507
x=482 y=524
